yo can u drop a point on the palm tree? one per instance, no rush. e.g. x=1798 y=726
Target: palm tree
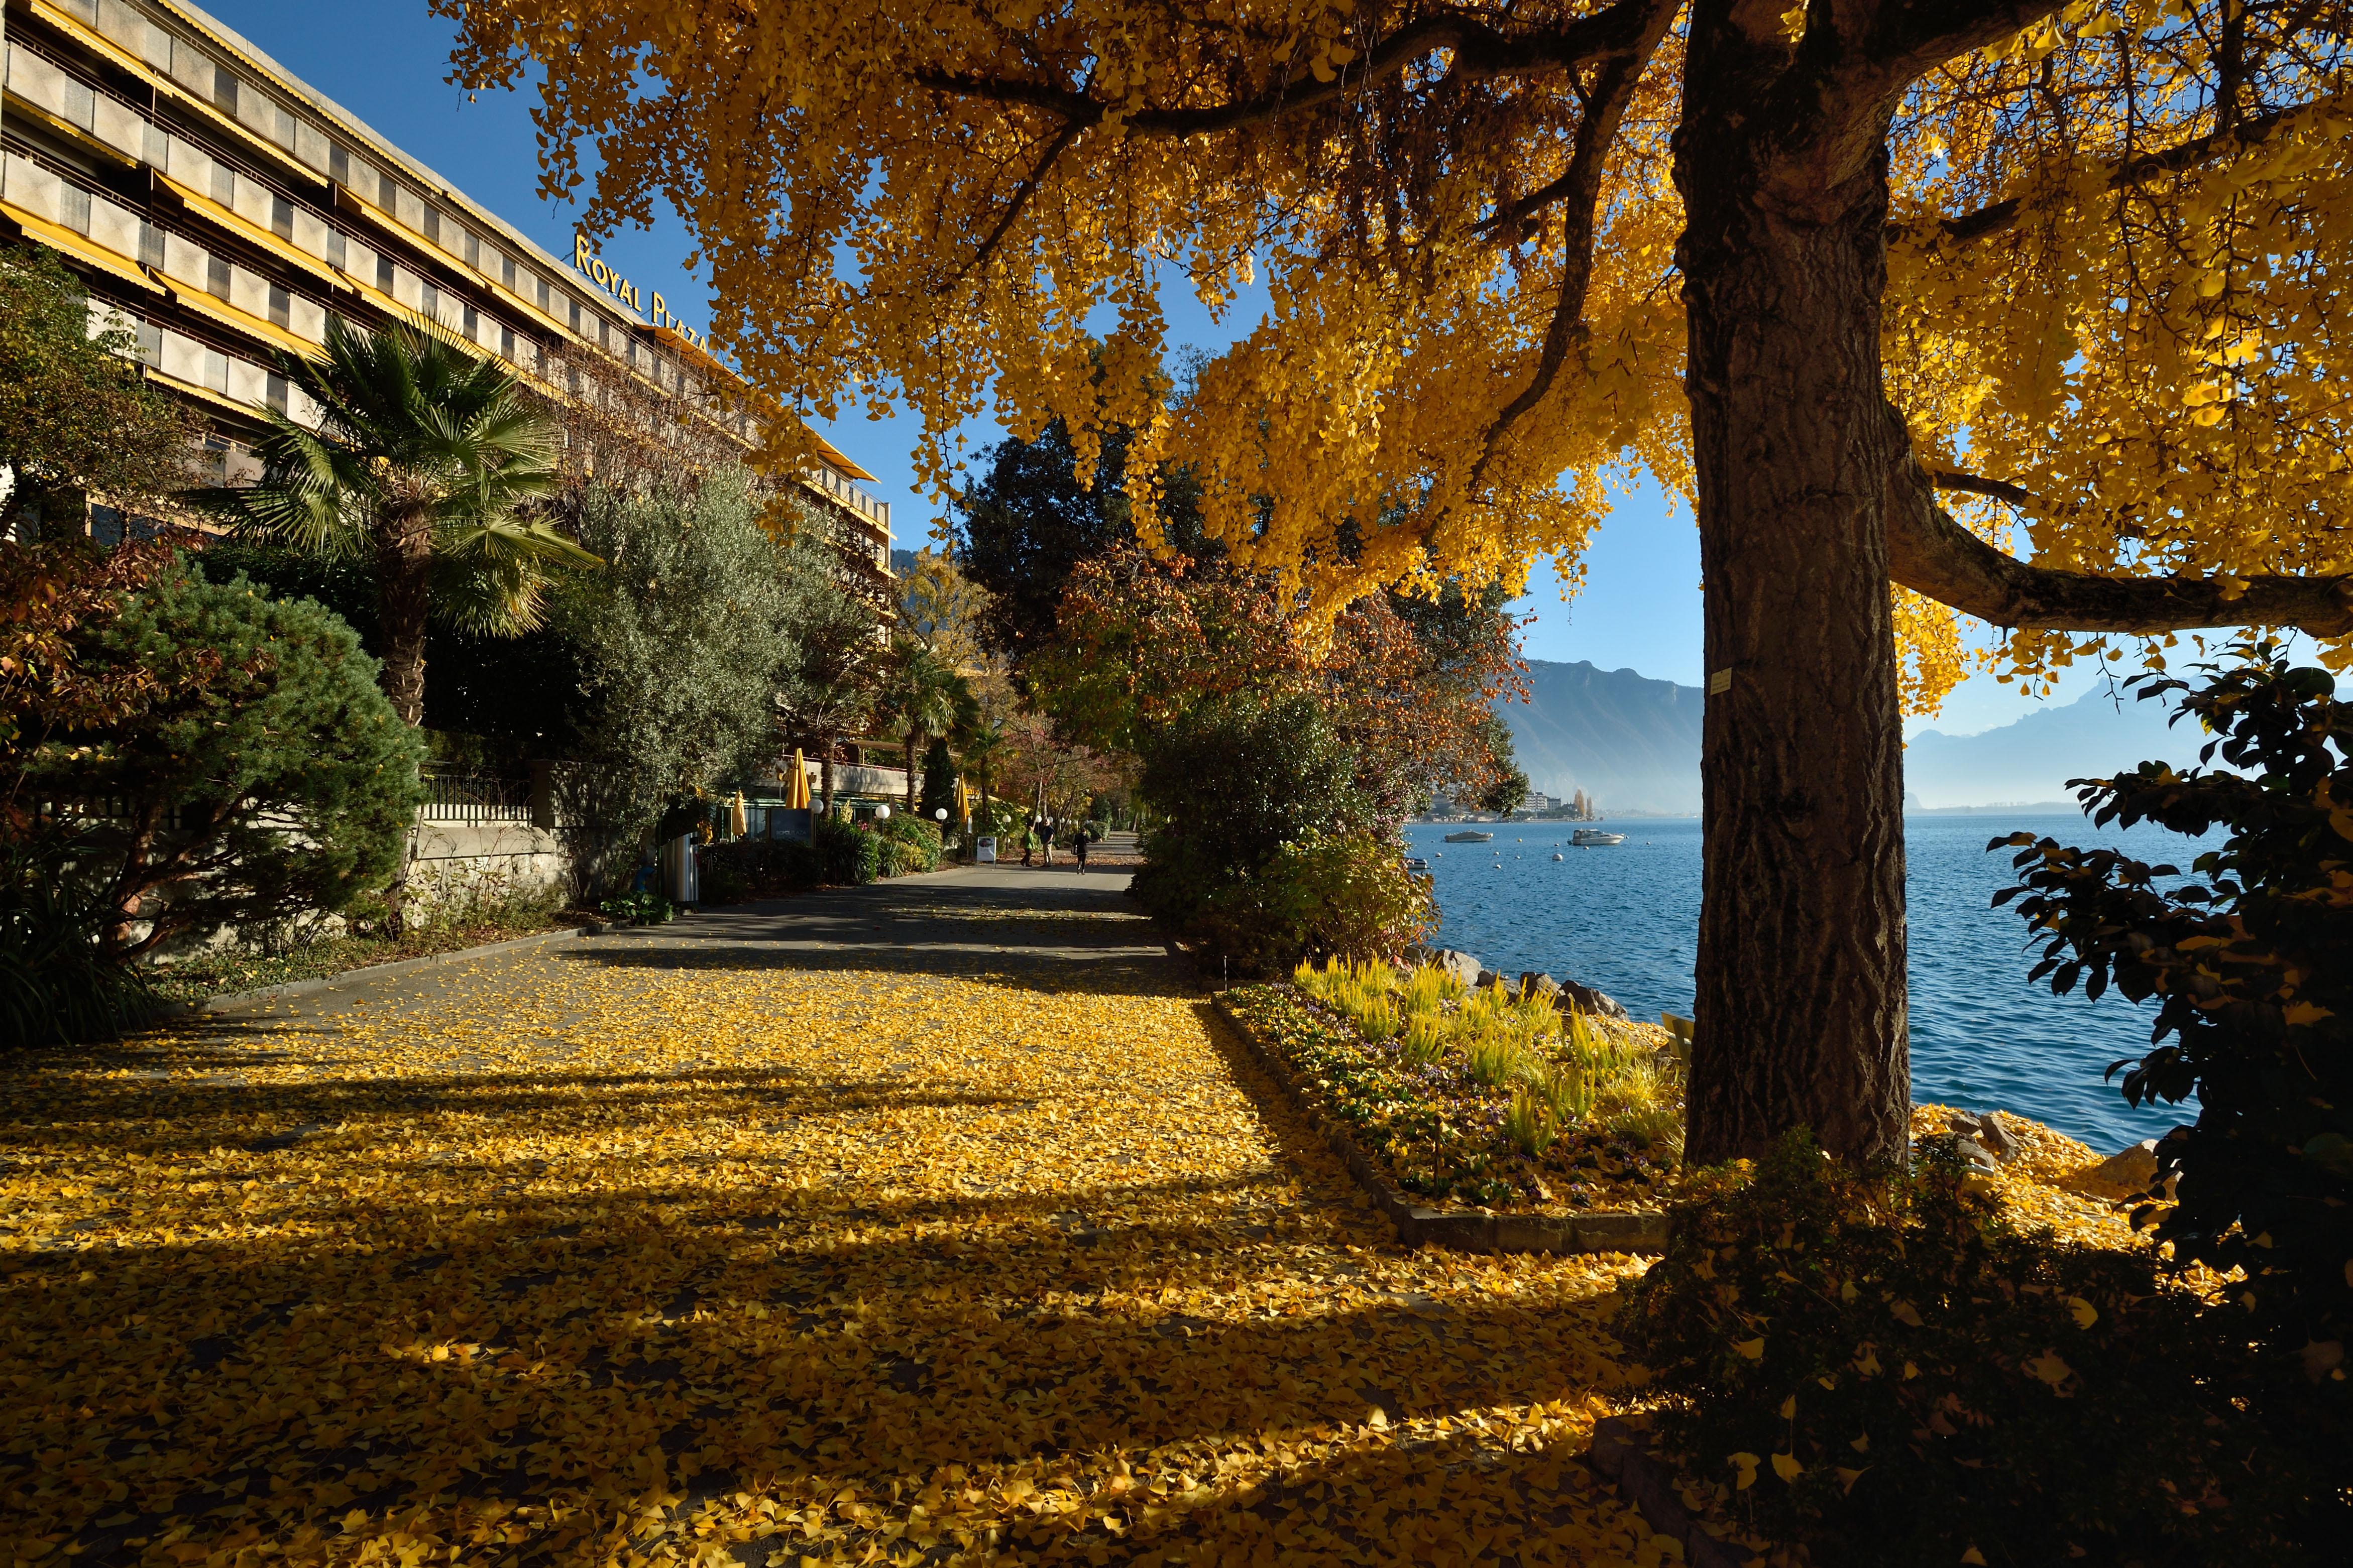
x=426 y=458
x=924 y=696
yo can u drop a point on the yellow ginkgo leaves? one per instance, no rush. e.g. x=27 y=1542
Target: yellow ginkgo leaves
x=636 y=1256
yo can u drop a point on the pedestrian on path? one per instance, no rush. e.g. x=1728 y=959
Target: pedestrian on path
x=1082 y=851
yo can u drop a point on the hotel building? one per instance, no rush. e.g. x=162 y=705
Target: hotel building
x=222 y=209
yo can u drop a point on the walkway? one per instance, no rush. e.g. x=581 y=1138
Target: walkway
x=927 y=1221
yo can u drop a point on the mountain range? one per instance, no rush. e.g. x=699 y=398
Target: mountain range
x=1633 y=745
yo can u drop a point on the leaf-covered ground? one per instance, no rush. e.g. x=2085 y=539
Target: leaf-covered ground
x=929 y=1221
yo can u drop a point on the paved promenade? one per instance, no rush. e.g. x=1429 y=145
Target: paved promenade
x=925 y=1222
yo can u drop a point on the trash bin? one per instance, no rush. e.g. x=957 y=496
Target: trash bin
x=679 y=872
x=984 y=849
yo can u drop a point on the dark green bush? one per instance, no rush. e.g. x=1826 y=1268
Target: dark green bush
x=849 y=854
x=756 y=868
x=58 y=985
x=2251 y=962
x=909 y=845
x=640 y=907
x=1881 y=1369
x=1323 y=895
x=1259 y=808
x=267 y=780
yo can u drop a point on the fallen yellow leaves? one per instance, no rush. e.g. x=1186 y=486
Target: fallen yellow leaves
x=587 y=1259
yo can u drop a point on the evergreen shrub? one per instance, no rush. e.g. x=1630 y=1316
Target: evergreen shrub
x=262 y=779
x=1267 y=852
x=1878 y=1367
x=909 y=845
x=1323 y=895
x=849 y=855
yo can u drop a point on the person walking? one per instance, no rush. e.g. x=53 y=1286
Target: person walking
x=1082 y=851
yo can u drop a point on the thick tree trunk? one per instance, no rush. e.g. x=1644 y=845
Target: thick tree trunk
x=1800 y=1013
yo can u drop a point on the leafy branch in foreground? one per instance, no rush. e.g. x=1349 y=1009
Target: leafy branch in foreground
x=2250 y=961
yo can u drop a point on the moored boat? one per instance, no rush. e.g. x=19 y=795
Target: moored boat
x=1468 y=835
x=1588 y=837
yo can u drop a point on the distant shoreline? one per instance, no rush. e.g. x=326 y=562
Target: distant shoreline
x=2015 y=808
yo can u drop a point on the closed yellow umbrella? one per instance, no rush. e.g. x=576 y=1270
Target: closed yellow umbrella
x=739 y=820
x=798 y=798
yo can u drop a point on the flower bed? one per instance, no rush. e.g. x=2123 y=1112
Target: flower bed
x=1478 y=1099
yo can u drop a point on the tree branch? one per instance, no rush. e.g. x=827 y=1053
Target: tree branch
x=1480 y=52
x=1930 y=553
x=2174 y=159
x=1912 y=39
x=1997 y=489
x=1580 y=185
x=1022 y=194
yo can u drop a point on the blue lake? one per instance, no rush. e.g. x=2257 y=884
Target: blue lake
x=1625 y=919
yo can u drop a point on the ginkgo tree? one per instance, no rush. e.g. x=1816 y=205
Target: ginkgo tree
x=1888 y=288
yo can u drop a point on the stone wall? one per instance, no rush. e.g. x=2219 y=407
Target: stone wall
x=463 y=866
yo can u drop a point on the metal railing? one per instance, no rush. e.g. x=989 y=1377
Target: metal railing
x=465 y=798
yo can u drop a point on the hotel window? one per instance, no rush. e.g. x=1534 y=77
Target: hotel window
x=285 y=126
x=387 y=192
x=150 y=344
x=507 y=271
x=274 y=392
x=217 y=369
x=335 y=249
x=151 y=246
x=576 y=314
x=216 y=277
x=281 y=217
x=73 y=207
x=224 y=185
x=506 y=343
x=433 y=223
x=281 y=306
x=544 y=295
x=472 y=249
x=432 y=305
x=384 y=273
x=339 y=165
x=474 y=324
x=223 y=88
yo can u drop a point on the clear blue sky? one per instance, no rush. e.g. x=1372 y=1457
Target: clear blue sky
x=387 y=61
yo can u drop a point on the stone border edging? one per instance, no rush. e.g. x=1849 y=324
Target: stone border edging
x=1604 y=1230
x=298 y=988
x=1622 y=1451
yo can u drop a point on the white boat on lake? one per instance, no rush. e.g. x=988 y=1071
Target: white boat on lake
x=1590 y=837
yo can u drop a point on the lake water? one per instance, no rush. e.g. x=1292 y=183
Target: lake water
x=1625 y=919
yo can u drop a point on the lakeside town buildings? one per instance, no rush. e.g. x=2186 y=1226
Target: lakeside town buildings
x=222 y=209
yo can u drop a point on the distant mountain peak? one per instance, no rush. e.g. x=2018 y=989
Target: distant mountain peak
x=1632 y=742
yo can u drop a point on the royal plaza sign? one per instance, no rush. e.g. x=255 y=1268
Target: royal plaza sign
x=592 y=267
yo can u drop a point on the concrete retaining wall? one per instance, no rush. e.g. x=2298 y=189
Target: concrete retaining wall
x=460 y=866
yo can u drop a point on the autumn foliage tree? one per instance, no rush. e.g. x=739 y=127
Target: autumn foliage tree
x=1883 y=286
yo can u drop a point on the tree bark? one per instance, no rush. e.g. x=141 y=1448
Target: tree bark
x=1932 y=554
x=403 y=599
x=1801 y=1017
